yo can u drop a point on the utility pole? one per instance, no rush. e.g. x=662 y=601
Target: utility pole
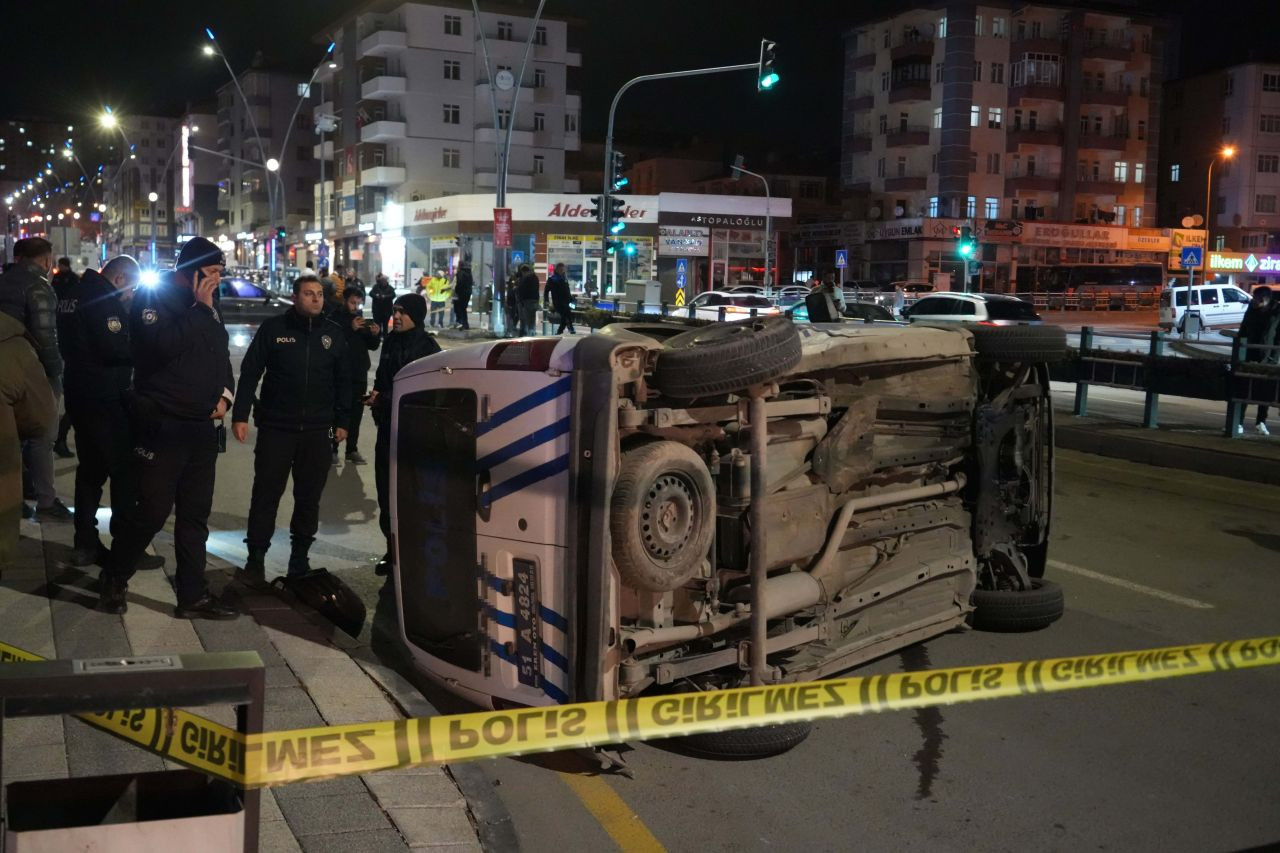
x=768 y=224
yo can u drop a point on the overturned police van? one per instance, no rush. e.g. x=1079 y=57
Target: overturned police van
x=658 y=508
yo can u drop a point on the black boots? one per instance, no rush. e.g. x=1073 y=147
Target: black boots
x=299 y=564
x=385 y=565
x=254 y=573
x=112 y=598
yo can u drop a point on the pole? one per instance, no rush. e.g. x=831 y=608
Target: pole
x=1208 y=231
x=768 y=231
x=324 y=198
x=154 y=265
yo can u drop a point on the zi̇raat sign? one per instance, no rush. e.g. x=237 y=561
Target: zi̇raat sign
x=1245 y=263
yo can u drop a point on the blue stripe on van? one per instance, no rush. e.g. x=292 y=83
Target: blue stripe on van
x=554 y=692
x=554 y=658
x=527 y=403
x=525 y=479
x=552 y=618
x=506 y=620
x=529 y=442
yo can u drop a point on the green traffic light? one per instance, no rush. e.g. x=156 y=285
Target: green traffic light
x=769 y=80
x=966 y=249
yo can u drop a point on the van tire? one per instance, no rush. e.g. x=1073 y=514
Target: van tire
x=759 y=742
x=726 y=357
x=1012 y=611
x=1046 y=344
x=663 y=516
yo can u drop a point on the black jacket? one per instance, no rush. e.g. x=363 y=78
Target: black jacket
x=64 y=290
x=558 y=293
x=182 y=362
x=308 y=374
x=528 y=287
x=1260 y=328
x=27 y=297
x=382 y=297
x=400 y=349
x=94 y=336
x=463 y=284
x=359 y=345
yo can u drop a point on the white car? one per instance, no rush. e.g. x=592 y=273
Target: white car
x=1218 y=305
x=737 y=306
x=989 y=309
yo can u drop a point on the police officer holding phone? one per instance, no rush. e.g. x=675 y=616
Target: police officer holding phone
x=182 y=388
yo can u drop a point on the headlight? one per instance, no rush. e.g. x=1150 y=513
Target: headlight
x=149 y=278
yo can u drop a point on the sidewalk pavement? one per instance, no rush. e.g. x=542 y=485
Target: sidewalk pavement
x=46 y=607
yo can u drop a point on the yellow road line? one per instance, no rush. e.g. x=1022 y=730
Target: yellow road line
x=623 y=825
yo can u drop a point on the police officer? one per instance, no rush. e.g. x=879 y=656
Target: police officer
x=305 y=403
x=94 y=335
x=182 y=387
x=363 y=337
x=407 y=342
x=64 y=285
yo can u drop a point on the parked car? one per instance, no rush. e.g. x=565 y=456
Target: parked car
x=991 y=309
x=1218 y=305
x=736 y=305
x=868 y=312
x=574 y=518
x=242 y=301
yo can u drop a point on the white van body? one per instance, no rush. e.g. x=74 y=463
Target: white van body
x=1218 y=304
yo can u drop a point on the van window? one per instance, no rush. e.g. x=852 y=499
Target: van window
x=1209 y=296
x=1232 y=294
x=1011 y=309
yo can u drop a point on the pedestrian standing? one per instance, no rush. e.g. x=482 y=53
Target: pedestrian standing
x=64 y=285
x=559 y=298
x=95 y=342
x=1261 y=330
x=407 y=342
x=438 y=295
x=382 y=295
x=303 y=407
x=463 y=284
x=25 y=295
x=363 y=337
x=27 y=409
x=182 y=387
x=527 y=291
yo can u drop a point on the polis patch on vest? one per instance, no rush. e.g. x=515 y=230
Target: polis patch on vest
x=326 y=341
x=149 y=316
x=114 y=325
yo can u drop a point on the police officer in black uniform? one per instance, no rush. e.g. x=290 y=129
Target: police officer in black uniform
x=65 y=284
x=182 y=387
x=304 y=405
x=363 y=337
x=93 y=331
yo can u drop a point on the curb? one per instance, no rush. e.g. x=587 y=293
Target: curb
x=1213 y=461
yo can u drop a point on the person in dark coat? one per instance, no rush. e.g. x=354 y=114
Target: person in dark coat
x=64 y=285
x=363 y=337
x=559 y=298
x=182 y=388
x=27 y=408
x=381 y=297
x=407 y=342
x=26 y=295
x=528 y=289
x=1261 y=328
x=463 y=284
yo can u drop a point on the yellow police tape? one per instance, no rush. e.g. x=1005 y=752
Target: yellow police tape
x=277 y=758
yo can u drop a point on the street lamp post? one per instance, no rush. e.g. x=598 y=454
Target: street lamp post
x=1226 y=153
x=153 y=197
x=109 y=121
x=768 y=222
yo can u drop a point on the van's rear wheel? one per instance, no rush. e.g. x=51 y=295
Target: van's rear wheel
x=1011 y=611
x=760 y=742
x=727 y=357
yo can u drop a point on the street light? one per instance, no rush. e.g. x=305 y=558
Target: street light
x=1226 y=153
x=738 y=171
x=153 y=197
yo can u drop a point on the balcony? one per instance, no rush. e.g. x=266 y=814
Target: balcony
x=1107 y=97
x=325 y=153
x=907 y=136
x=573 y=58
x=1041 y=135
x=1036 y=89
x=383 y=131
x=862 y=102
x=1119 y=50
x=516 y=180
x=860 y=142
x=382 y=176
x=1104 y=142
x=913 y=48
x=1037 y=44
x=386 y=41
x=914 y=90
x=1016 y=185
x=906 y=183
x=864 y=62
x=1098 y=186
x=383 y=86
x=487 y=135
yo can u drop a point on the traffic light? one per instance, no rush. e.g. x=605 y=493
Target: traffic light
x=619 y=180
x=629 y=249
x=616 y=207
x=597 y=203
x=281 y=231
x=611 y=246
x=966 y=246
x=767 y=76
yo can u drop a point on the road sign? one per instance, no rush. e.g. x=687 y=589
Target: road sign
x=682 y=266
x=502 y=228
x=517 y=257
x=842 y=258
x=1192 y=256
x=680 y=280
x=680 y=298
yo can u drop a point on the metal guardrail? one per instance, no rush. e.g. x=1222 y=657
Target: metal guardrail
x=1231 y=379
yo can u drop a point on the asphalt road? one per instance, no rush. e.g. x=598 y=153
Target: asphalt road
x=1148 y=558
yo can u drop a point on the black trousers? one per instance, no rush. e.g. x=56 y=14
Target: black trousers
x=279 y=453
x=174 y=463
x=64 y=425
x=566 y=319
x=357 y=415
x=460 y=310
x=382 y=474
x=104 y=447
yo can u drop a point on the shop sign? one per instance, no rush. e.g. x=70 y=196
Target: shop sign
x=1073 y=236
x=1179 y=238
x=1245 y=263
x=430 y=214
x=678 y=240
x=896 y=230
x=1149 y=240
x=348 y=210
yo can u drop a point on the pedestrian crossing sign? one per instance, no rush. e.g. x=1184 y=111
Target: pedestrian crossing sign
x=682 y=266
x=842 y=258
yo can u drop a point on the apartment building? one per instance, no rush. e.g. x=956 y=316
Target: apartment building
x=980 y=112
x=417 y=116
x=1236 y=108
x=134 y=222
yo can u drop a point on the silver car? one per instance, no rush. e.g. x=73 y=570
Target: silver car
x=988 y=309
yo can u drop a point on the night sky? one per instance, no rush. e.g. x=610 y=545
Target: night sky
x=65 y=60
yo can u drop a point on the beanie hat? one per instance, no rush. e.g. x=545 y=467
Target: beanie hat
x=415 y=306
x=198 y=252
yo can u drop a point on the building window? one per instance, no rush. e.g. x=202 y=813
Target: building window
x=942 y=27
x=995 y=116
x=977 y=72
x=933 y=206
x=452 y=114
x=452 y=69
x=977 y=25
x=1269 y=123
x=933 y=163
x=1031 y=165
x=884 y=124
x=1135 y=218
x=997 y=72
x=1264 y=204
x=880 y=168
x=1228 y=84
x=452 y=158
x=1142 y=128
x=937 y=116
x=902 y=167
x=539 y=164
x=993 y=164
x=993 y=208
x=1271 y=82
x=453 y=25
x=1121 y=171
x=540 y=36
x=886 y=38
x=504 y=119
x=506 y=31
x=539 y=121
x=1226 y=125
x=1139 y=172
x=539 y=78
x=975 y=116
x=938 y=72
x=902 y=121
x=997 y=28
x=1118 y=217
x=570 y=122
x=971 y=207
x=884 y=81
x=1269 y=162
x=1175 y=173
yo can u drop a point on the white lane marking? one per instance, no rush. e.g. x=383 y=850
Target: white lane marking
x=1193 y=603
